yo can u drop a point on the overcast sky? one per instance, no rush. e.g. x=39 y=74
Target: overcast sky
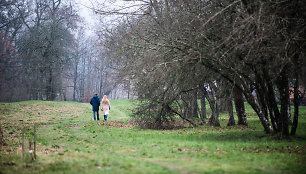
x=88 y=15
x=91 y=19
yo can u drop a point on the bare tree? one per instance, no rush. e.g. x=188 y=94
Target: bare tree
x=172 y=47
x=44 y=47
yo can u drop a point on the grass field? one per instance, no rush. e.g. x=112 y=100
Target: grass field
x=69 y=141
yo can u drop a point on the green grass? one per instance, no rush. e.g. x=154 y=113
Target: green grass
x=69 y=141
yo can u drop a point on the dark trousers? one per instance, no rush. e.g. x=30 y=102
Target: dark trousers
x=94 y=112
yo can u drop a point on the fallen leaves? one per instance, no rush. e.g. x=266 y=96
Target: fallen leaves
x=74 y=125
x=117 y=124
x=298 y=149
x=183 y=149
x=204 y=149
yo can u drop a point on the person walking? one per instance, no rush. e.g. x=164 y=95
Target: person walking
x=95 y=102
x=105 y=106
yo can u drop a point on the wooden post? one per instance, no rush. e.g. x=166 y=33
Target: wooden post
x=34 y=134
x=34 y=141
x=2 y=139
x=30 y=149
x=22 y=144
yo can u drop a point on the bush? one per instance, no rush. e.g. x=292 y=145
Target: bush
x=153 y=115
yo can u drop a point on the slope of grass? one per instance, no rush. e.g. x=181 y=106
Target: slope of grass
x=69 y=141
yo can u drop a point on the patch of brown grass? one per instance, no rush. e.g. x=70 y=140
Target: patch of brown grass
x=15 y=117
x=118 y=124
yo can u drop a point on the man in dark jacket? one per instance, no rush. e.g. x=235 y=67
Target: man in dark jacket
x=95 y=102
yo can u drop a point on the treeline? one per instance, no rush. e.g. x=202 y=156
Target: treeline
x=45 y=54
x=178 y=52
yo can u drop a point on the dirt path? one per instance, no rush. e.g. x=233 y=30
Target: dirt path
x=114 y=108
x=87 y=105
x=122 y=114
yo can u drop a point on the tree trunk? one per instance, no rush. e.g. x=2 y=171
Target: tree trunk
x=214 y=119
x=82 y=81
x=284 y=98
x=296 y=109
x=194 y=104
x=296 y=95
x=64 y=95
x=239 y=105
x=101 y=82
x=187 y=112
x=231 y=120
x=49 y=85
x=203 y=108
x=128 y=89
x=223 y=105
x=265 y=123
x=289 y=113
x=262 y=102
x=75 y=78
x=273 y=109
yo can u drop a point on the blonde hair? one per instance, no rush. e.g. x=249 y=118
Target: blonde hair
x=105 y=100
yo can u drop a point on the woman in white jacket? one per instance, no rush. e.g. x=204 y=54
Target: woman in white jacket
x=105 y=106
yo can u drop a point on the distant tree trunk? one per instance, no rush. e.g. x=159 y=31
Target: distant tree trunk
x=49 y=85
x=223 y=105
x=64 y=95
x=265 y=123
x=128 y=89
x=296 y=104
x=34 y=93
x=101 y=82
x=214 y=118
x=75 y=78
x=284 y=98
x=40 y=87
x=289 y=113
x=296 y=95
x=273 y=108
x=239 y=105
x=187 y=111
x=101 y=87
x=82 y=81
x=262 y=103
x=203 y=108
x=231 y=120
x=194 y=104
